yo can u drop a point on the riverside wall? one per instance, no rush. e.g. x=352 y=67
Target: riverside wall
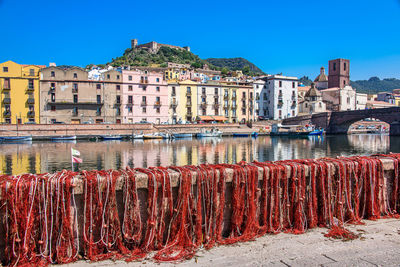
x=84 y=130
x=228 y=175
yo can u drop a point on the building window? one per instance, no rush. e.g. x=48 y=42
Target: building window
x=108 y=76
x=158 y=80
x=344 y=66
x=31 y=72
x=130 y=88
x=75 y=98
x=53 y=108
x=144 y=110
x=118 y=87
x=243 y=111
x=117 y=77
x=344 y=83
x=130 y=109
x=203 y=91
x=30 y=84
x=53 y=86
x=348 y=100
x=244 y=94
x=130 y=99
x=334 y=66
x=53 y=97
x=144 y=100
x=98 y=86
x=216 y=111
x=6 y=83
x=173 y=91
x=75 y=111
x=216 y=91
x=204 y=111
x=293 y=85
x=130 y=78
x=75 y=75
x=188 y=89
x=98 y=98
x=118 y=99
x=5 y=69
x=98 y=111
x=144 y=88
x=52 y=74
x=157 y=110
x=280 y=83
x=158 y=88
x=75 y=87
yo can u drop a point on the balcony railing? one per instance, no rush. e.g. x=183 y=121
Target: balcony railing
x=174 y=103
x=293 y=97
x=189 y=114
x=188 y=104
x=280 y=103
x=188 y=93
x=226 y=106
x=117 y=102
x=280 y=96
x=7 y=113
x=6 y=88
x=30 y=89
x=157 y=103
x=74 y=90
x=143 y=103
x=30 y=100
x=233 y=106
x=31 y=114
x=52 y=88
x=216 y=105
x=71 y=102
x=7 y=100
x=226 y=97
x=233 y=97
x=203 y=104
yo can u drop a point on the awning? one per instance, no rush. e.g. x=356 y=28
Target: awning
x=206 y=118
x=219 y=118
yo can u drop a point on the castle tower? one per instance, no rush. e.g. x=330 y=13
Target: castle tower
x=134 y=43
x=339 y=73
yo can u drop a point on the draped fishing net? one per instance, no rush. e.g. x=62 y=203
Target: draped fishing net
x=178 y=210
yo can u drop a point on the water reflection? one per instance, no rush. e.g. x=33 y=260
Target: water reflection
x=50 y=157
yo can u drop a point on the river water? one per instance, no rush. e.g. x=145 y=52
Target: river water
x=40 y=157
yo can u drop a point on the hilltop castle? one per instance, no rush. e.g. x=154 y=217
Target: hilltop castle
x=153 y=47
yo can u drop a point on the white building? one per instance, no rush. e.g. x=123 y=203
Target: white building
x=278 y=97
x=261 y=101
x=361 y=101
x=339 y=99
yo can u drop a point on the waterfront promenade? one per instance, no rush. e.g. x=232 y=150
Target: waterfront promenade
x=377 y=246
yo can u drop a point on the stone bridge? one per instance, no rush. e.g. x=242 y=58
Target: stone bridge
x=338 y=122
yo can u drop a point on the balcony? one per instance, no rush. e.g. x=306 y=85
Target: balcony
x=52 y=88
x=280 y=96
x=7 y=100
x=174 y=103
x=189 y=104
x=293 y=97
x=31 y=114
x=226 y=97
x=74 y=90
x=294 y=104
x=216 y=105
x=233 y=97
x=7 y=114
x=233 y=106
x=30 y=89
x=98 y=113
x=71 y=102
x=226 y=106
x=143 y=103
x=280 y=103
x=30 y=101
x=157 y=103
x=189 y=114
x=117 y=102
x=188 y=93
x=6 y=88
x=244 y=98
x=203 y=105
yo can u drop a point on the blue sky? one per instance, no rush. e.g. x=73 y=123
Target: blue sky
x=293 y=37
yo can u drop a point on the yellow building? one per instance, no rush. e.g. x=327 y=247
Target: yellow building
x=183 y=101
x=238 y=101
x=19 y=86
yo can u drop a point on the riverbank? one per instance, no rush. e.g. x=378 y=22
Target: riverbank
x=88 y=131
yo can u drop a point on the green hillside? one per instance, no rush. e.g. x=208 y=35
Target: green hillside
x=237 y=63
x=375 y=85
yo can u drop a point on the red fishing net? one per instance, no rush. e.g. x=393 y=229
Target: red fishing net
x=169 y=213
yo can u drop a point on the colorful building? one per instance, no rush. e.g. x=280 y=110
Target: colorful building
x=182 y=101
x=19 y=85
x=144 y=96
x=67 y=95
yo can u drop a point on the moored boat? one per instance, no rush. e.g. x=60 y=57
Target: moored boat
x=63 y=138
x=111 y=137
x=182 y=135
x=212 y=133
x=153 y=136
x=23 y=138
x=294 y=130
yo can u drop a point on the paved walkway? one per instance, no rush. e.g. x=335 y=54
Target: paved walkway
x=379 y=245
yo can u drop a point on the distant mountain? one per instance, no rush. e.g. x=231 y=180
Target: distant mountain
x=237 y=63
x=305 y=80
x=375 y=85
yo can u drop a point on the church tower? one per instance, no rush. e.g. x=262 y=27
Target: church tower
x=339 y=73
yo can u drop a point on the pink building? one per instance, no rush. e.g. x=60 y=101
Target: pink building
x=144 y=97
